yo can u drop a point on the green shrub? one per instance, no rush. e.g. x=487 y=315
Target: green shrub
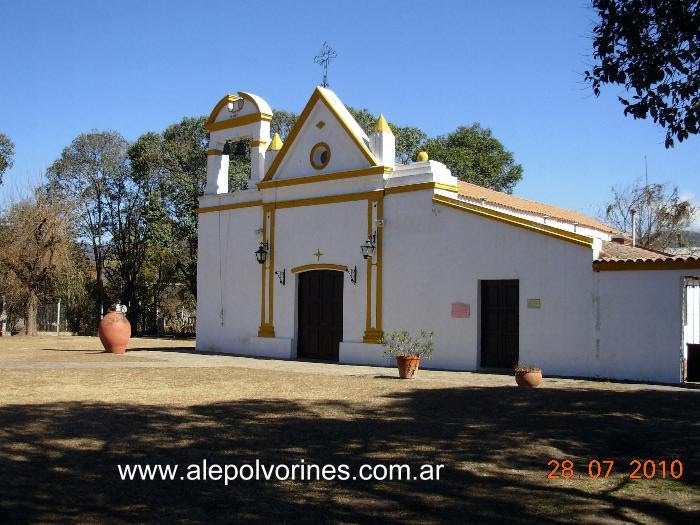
x=400 y=343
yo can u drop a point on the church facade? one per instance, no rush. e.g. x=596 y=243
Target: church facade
x=333 y=244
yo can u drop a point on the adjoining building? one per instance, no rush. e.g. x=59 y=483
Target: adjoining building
x=333 y=244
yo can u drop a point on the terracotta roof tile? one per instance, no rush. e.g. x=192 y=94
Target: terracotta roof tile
x=475 y=192
x=612 y=251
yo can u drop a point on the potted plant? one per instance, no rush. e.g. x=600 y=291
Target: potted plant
x=408 y=350
x=528 y=376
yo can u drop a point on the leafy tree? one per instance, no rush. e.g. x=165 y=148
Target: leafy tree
x=662 y=216
x=409 y=140
x=282 y=123
x=128 y=200
x=38 y=251
x=652 y=48
x=83 y=175
x=474 y=155
x=7 y=150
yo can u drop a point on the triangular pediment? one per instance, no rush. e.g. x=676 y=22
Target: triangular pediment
x=325 y=124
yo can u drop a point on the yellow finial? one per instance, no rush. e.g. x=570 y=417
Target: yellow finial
x=382 y=126
x=276 y=143
x=422 y=156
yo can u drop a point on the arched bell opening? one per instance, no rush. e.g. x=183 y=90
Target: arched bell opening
x=239 y=134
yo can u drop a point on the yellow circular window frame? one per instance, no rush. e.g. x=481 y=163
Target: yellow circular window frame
x=316 y=164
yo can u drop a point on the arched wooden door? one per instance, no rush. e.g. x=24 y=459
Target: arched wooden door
x=320 y=314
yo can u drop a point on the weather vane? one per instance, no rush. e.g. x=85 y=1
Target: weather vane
x=323 y=59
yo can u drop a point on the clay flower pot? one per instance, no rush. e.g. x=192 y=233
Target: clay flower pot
x=408 y=366
x=114 y=332
x=528 y=378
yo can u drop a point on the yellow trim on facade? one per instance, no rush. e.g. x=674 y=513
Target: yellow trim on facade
x=331 y=199
x=373 y=336
x=379 y=266
x=621 y=266
x=226 y=207
x=264 y=329
x=219 y=106
x=257 y=143
x=267 y=327
x=271 y=268
x=215 y=152
x=374 y=170
x=373 y=331
x=368 y=307
x=317 y=95
x=446 y=187
x=562 y=235
x=421 y=186
x=311 y=155
x=238 y=121
x=319 y=266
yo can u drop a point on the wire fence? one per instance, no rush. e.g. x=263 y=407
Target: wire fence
x=51 y=317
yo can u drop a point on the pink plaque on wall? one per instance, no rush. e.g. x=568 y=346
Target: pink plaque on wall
x=460 y=310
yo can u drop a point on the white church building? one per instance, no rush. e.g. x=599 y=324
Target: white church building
x=333 y=244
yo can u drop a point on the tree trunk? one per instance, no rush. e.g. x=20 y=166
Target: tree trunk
x=99 y=306
x=30 y=313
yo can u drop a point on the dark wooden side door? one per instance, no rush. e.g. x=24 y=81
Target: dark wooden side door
x=320 y=314
x=499 y=323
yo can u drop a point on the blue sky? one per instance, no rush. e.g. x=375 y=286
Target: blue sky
x=516 y=67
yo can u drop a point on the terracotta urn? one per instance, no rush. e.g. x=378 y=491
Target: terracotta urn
x=114 y=332
x=408 y=366
x=528 y=378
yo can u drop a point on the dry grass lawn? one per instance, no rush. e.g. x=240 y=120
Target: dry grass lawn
x=64 y=429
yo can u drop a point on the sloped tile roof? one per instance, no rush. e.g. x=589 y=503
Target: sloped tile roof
x=614 y=256
x=498 y=198
x=612 y=251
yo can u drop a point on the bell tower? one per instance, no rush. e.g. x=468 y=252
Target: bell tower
x=234 y=118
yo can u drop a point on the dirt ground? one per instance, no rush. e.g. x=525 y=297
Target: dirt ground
x=69 y=414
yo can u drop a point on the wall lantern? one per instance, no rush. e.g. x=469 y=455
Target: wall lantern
x=369 y=247
x=281 y=276
x=261 y=252
x=352 y=272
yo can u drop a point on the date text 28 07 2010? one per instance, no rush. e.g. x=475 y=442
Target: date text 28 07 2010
x=603 y=468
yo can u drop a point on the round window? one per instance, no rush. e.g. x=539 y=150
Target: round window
x=320 y=155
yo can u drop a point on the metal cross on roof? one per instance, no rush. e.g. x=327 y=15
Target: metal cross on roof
x=323 y=59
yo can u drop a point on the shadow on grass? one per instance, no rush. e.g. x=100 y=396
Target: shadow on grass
x=58 y=461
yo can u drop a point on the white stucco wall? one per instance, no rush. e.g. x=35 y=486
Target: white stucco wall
x=228 y=280
x=638 y=324
x=692 y=314
x=435 y=255
x=337 y=230
x=345 y=155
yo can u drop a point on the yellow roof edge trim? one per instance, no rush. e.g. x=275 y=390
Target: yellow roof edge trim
x=238 y=121
x=382 y=125
x=319 y=266
x=229 y=97
x=232 y=206
x=303 y=117
x=576 y=238
x=374 y=170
